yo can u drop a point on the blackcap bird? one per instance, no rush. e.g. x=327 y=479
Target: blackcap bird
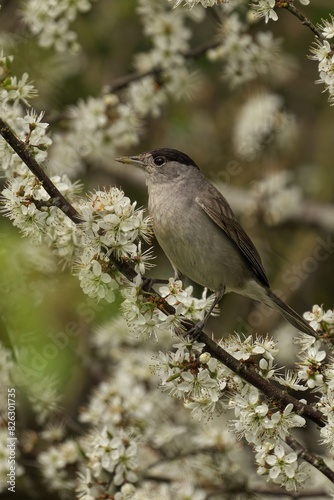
x=198 y=231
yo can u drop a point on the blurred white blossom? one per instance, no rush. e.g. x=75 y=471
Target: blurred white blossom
x=50 y=21
x=276 y=198
x=246 y=58
x=97 y=127
x=53 y=464
x=262 y=123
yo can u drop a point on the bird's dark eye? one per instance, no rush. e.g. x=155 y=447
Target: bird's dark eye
x=159 y=161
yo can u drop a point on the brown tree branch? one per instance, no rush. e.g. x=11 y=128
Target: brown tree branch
x=288 y=5
x=24 y=152
x=273 y=491
x=246 y=371
x=311 y=458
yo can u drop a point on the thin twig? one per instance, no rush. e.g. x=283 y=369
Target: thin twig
x=123 y=81
x=304 y=20
x=246 y=372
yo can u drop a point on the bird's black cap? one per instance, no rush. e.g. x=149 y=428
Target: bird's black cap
x=173 y=155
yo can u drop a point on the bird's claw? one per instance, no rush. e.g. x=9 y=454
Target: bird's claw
x=148 y=283
x=194 y=332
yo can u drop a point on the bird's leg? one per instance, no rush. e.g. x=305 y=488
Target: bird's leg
x=195 y=331
x=178 y=276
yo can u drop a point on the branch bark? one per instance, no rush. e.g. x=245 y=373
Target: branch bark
x=304 y=20
x=311 y=458
x=24 y=152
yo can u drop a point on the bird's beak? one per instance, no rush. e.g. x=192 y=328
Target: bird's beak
x=132 y=160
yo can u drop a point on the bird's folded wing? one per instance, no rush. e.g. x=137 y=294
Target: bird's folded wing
x=223 y=216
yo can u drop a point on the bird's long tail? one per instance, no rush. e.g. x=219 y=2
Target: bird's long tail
x=289 y=314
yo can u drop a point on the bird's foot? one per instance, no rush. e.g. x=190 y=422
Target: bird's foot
x=148 y=284
x=195 y=330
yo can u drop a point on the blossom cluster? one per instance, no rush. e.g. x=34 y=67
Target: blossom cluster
x=281 y=465
x=24 y=199
x=322 y=51
x=321 y=321
x=15 y=93
x=148 y=320
x=111 y=227
x=207 y=387
x=262 y=122
x=170 y=75
x=276 y=197
x=50 y=22
x=25 y=202
x=245 y=57
x=129 y=428
x=97 y=127
x=315 y=371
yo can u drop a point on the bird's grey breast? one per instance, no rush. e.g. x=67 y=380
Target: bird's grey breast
x=167 y=207
x=194 y=244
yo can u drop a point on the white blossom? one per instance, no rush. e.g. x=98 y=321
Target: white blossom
x=318 y=318
x=111 y=226
x=257 y=423
x=191 y=307
x=327 y=27
x=292 y=380
x=322 y=52
x=245 y=348
x=265 y=8
x=282 y=467
x=311 y=366
x=116 y=454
